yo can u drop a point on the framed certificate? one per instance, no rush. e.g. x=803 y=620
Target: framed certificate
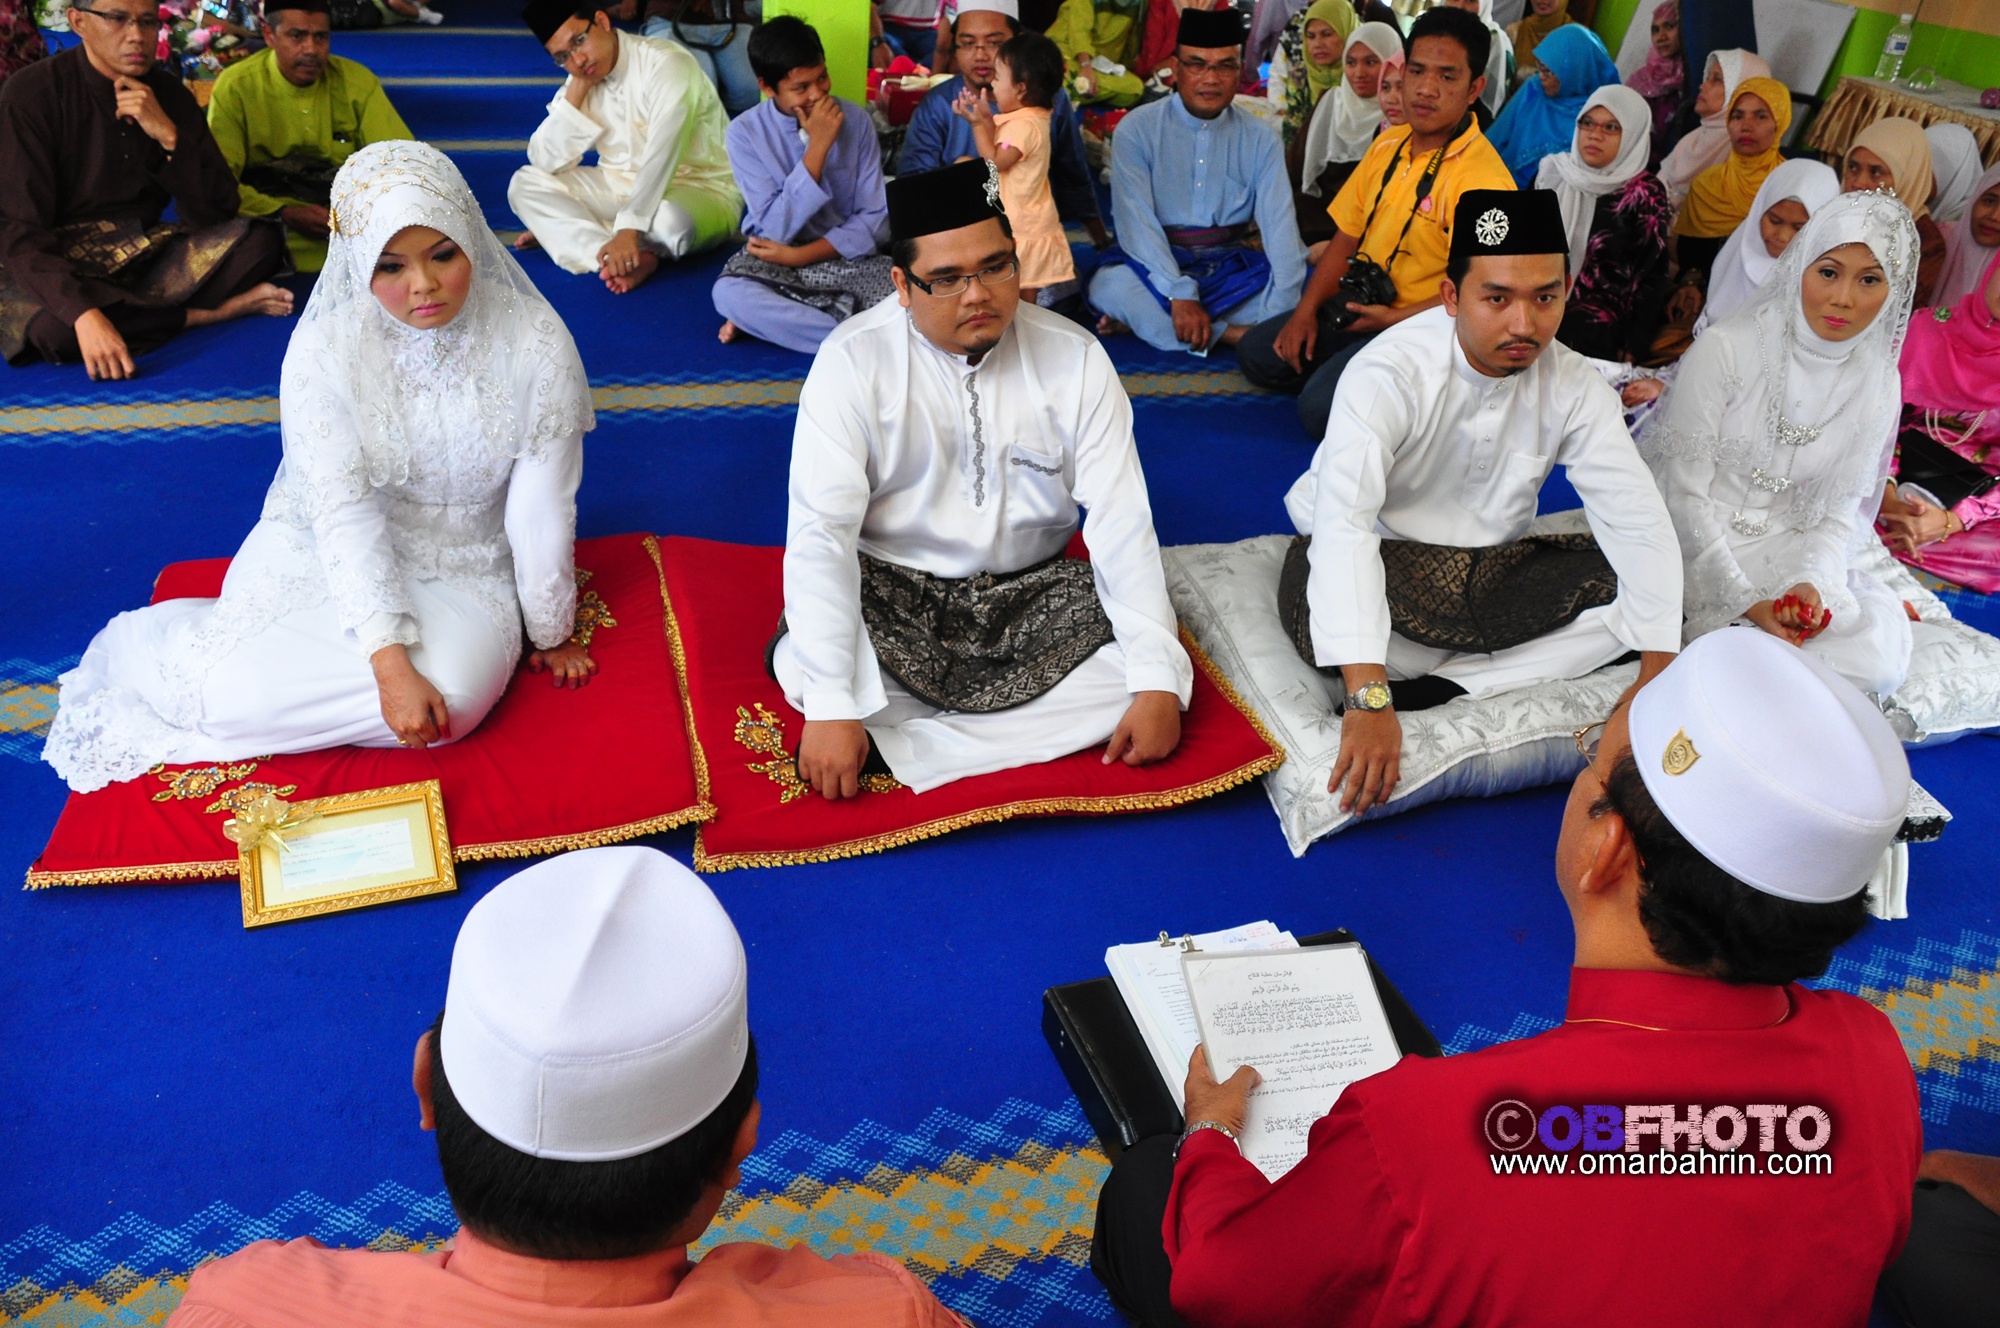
x=349 y=851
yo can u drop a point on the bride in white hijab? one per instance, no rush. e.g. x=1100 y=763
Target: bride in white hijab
x=433 y=411
x=1773 y=444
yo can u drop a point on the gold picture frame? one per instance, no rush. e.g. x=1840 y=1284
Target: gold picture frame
x=332 y=876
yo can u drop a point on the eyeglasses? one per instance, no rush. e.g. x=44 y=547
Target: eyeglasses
x=943 y=287
x=570 y=49
x=1587 y=739
x=1601 y=126
x=1196 y=68
x=119 y=22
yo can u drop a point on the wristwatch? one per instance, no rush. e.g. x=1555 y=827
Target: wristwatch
x=1371 y=696
x=1197 y=1127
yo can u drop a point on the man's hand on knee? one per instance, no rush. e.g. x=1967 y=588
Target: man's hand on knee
x=620 y=254
x=1149 y=731
x=1191 y=324
x=1370 y=761
x=830 y=755
x=104 y=352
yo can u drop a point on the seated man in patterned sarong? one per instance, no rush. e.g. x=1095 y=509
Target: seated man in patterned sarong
x=811 y=177
x=945 y=443
x=94 y=144
x=1189 y=173
x=1411 y=580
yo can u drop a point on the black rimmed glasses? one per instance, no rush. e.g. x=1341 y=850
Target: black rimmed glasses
x=945 y=287
x=119 y=22
x=570 y=48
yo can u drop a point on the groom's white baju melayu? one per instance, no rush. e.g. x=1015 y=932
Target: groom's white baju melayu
x=1773 y=445
x=914 y=456
x=427 y=496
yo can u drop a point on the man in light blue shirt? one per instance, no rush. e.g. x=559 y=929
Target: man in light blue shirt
x=1188 y=175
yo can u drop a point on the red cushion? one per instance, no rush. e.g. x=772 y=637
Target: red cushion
x=724 y=600
x=548 y=769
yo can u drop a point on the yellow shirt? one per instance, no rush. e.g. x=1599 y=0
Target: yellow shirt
x=1469 y=163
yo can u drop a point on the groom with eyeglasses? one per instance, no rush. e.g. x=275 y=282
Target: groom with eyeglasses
x=95 y=143
x=947 y=442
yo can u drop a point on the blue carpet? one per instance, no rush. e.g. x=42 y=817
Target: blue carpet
x=178 y=1086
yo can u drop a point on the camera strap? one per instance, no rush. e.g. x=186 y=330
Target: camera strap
x=1430 y=176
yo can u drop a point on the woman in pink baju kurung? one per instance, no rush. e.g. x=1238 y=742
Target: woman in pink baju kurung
x=1951 y=393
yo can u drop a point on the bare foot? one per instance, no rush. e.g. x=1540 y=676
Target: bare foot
x=264 y=298
x=1107 y=326
x=1232 y=334
x=727 y=333
x=649 y=263
x=527 y=240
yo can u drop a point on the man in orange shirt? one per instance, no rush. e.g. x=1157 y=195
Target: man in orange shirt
x=600 y=1098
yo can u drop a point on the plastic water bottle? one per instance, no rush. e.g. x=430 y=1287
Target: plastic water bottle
x=1894 y=49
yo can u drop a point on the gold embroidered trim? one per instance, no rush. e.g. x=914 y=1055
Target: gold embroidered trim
x=764 y=733
x=508 y=848
x=237 y=801
x=674 y=648
x=591 y=611
x=200 y=781
x=1097 y=805
x=167 y=871
x=527 y=848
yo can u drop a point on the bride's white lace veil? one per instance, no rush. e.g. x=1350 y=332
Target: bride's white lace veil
x=507 y=344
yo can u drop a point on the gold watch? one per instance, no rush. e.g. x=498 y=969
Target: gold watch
x=1371 y=696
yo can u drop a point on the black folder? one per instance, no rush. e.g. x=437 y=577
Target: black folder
x=1113 y=1075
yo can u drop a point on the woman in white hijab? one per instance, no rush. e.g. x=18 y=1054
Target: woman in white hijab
x=1955 y=169
x=1616 y=216
x=1707 y=144
x=433 y=413
x=1773 y=445
x=1971 y=241
x=1785 y=202
x=1349 y=116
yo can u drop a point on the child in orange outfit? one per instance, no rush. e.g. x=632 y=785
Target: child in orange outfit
x=1026 y=78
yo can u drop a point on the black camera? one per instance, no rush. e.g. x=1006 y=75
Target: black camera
x=1365 y=282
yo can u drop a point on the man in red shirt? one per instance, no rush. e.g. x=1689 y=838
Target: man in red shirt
x=1702 y=1141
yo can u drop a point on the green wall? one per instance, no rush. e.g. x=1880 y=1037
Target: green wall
x=1972 y=58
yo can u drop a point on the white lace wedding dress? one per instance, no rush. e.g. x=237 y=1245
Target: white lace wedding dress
x=426 y=496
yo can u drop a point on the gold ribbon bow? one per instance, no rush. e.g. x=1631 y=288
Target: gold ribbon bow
x=265 y=816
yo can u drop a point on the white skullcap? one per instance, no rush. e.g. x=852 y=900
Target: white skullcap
x=597 y=1006
x=1011 y=8
x=1771 y=765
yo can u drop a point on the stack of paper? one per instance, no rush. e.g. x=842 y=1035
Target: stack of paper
x=1148 y=975
x=1309 y=1020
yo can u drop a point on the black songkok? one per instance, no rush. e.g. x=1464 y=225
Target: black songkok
x=962 y=194
x=1210 y=29
x=275 y=7
x=1493 y=222
x=543 y=17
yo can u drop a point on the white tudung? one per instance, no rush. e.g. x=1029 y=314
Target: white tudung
x=1771 y=765
x=598 y=1006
